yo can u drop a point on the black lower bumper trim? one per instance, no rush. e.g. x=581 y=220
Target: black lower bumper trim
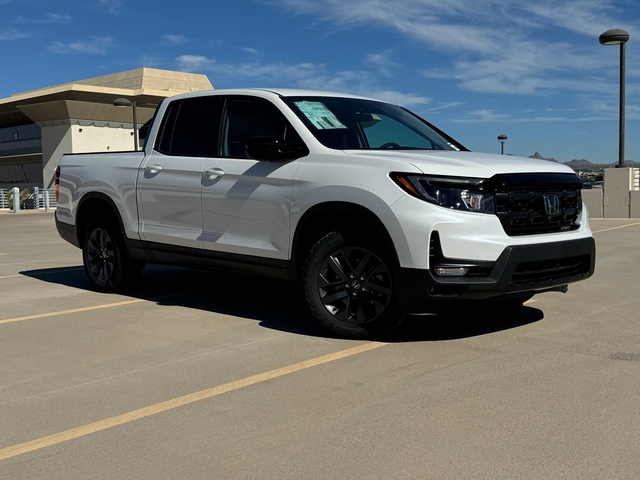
x=519 y=271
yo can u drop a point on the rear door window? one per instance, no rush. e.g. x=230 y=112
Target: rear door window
x=190 y=127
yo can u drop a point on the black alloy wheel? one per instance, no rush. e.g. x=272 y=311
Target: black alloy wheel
x=100 y=256
x=349 y=287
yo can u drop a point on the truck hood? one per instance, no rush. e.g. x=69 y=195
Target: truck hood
x=461 y=164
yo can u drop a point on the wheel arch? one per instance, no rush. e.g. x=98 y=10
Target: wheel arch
x=328 y=217
x=96 y=205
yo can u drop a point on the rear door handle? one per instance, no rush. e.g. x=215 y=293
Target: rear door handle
x=154 y=168
x=214 y=173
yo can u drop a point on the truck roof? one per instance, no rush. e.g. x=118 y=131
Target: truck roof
x=270 y=92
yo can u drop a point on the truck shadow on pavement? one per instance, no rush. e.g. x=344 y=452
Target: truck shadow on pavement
x=278 y=304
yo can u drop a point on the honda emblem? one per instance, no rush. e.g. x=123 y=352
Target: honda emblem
x=552 y=204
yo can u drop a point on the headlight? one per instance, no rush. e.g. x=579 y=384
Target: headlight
x=457 y=193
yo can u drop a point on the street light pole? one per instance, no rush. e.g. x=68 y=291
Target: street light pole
x=123 y=102
x=502 y=138
x=618 y=37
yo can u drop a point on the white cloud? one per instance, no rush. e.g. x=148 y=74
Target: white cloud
x=582 y=16
x=151 y=61
x=488 y=115
x=112 y=6
x=405 y=99
x=302 y=75
x=493 y=116
x=175 y=40
x=193 y=63
x=94 y=46
x=444 y=107
x=48 y=18
x=383 y=62
x=12 y=34
x=490 y=45
x=290 y=75
x=251 y=51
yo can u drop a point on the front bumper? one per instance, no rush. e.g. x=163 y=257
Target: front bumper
x=519 y=271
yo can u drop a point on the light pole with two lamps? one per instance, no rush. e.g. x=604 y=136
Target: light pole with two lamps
x=618 y=37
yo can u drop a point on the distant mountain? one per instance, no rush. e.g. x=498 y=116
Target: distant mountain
x=579 y=163
x=583 y=164
x=540 y=157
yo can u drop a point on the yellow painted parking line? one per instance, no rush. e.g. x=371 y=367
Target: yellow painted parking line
x=71 y=434
x=73 y=310
x=617 y=228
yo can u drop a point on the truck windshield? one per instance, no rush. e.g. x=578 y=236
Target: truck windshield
x=349 y=123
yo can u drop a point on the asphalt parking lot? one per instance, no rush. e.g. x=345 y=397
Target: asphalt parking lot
x=206 y=376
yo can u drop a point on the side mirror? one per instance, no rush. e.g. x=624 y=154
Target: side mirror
x=274 y=149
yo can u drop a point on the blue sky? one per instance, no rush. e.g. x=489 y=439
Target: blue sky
x=532 y=70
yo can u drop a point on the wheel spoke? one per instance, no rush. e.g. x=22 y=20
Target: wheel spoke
x=363 y=262
x=107 y=269
x=334 y=265
x=337 y=296
x=360 y=315
x=93 y=247
x=327 y=283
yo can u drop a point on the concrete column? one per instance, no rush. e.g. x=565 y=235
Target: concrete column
x=592 y=199
x=617 y=185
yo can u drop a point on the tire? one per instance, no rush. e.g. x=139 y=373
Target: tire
x=106 y=262
x=348 y=287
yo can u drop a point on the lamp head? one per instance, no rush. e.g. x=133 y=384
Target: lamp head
x=614 y=36
x=122 y=102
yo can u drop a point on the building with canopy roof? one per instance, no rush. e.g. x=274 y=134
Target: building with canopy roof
x=39 y=126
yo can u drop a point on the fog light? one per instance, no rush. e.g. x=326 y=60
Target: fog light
x=451 y=271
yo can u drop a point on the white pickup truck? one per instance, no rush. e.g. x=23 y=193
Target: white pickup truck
x=372 y=210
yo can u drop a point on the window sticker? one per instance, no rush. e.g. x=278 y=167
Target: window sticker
x=319 y=115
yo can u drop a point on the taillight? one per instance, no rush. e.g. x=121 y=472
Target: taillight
x=57 y=187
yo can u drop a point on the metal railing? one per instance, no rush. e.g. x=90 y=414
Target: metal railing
x=4 y=198
x=33 y=198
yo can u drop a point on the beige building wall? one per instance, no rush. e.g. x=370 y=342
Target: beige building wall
x=56 y=140
x=90 y=138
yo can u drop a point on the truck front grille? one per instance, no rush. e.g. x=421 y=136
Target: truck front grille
x=529 y=204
